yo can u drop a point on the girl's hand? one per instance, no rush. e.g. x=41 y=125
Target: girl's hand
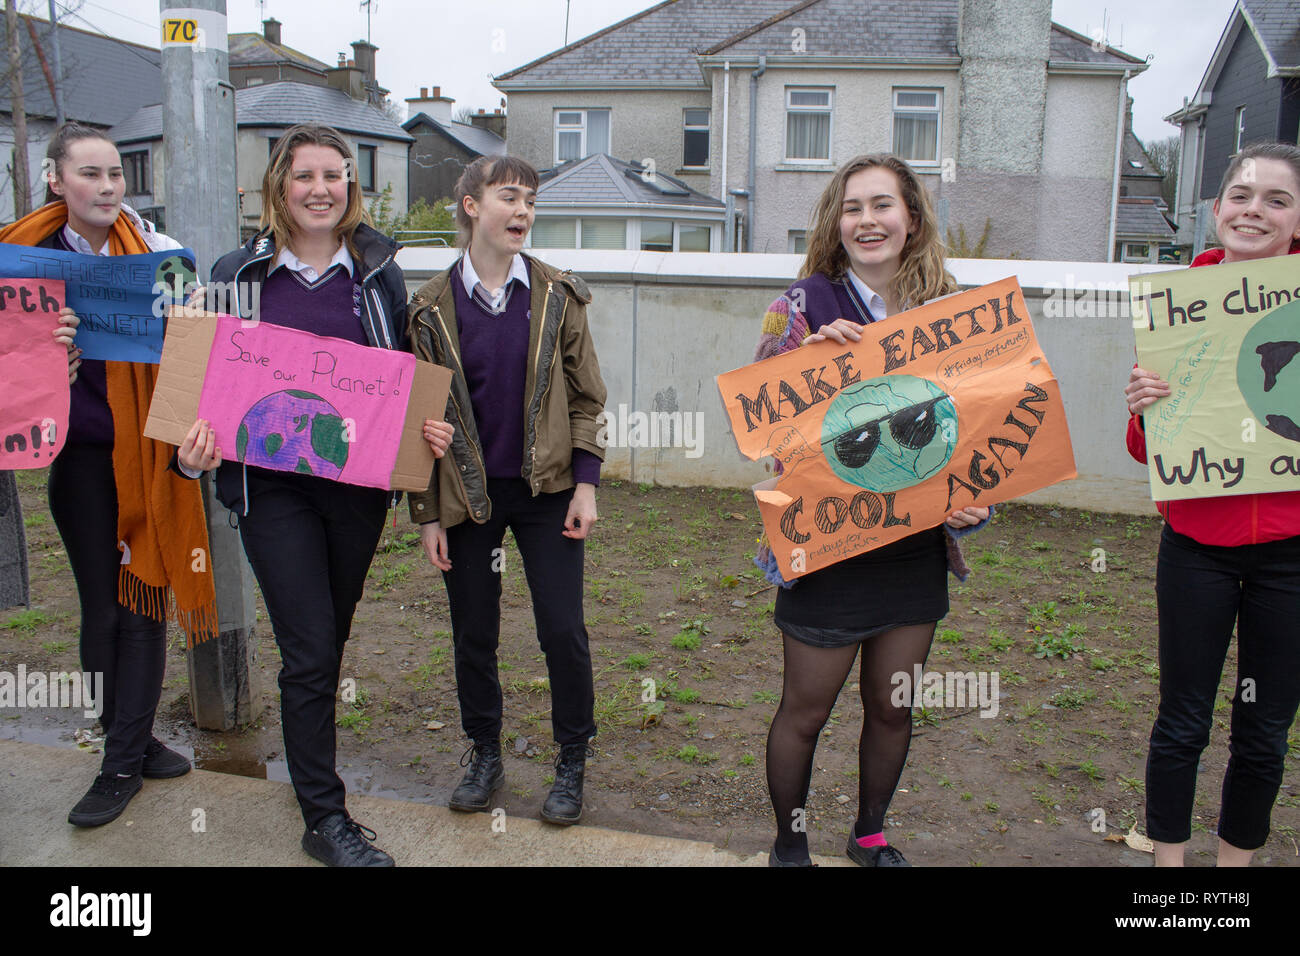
x=1143 y=388
x=74 y=363
x=968 y=517
x=199 y=451
x=434 y=539
x=582 y=512
x=198 y=299
x=67 y=327
x=841 y=331
x=438 y=435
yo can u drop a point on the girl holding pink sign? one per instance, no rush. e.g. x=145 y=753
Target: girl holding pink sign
x=309 y=539
x=112 y=495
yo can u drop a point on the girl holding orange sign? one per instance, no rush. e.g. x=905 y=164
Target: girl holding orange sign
x=874 y=250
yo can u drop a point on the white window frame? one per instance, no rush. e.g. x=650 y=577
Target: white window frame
x=695 y=128
x=792 y=237
x=1128 y=255
x=937 y=110
x=828 y=109
x=1239 y=129
x=581 y=130
x=677 y=232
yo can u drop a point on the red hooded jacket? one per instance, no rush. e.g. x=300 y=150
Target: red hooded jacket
x=1231 y=520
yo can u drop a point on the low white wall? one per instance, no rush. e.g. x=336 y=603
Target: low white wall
x=665 y=324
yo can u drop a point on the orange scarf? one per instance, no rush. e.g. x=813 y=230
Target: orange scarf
x=167 y=571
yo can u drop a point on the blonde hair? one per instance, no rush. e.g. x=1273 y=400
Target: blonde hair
x=921 y=275
x=275 y=208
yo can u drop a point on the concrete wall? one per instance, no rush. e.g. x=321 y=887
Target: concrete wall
x=642 y=124
x=664 y=325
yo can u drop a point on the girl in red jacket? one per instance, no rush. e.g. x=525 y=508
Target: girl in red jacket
x=1224 y=561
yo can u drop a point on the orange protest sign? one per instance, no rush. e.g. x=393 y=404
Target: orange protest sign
x=940 y=407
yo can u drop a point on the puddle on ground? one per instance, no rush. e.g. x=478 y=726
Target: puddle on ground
x=231 y=752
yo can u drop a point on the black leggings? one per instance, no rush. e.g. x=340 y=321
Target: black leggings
x=813 y=677
x=125 y=652
x=1201 y=591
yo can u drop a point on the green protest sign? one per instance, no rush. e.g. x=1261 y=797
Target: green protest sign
x=1227 y=340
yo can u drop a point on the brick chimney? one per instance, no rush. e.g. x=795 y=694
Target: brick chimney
x=271 y=31
x=494 y=122
x=432 y=103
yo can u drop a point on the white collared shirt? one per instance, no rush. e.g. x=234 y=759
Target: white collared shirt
x=494 y=302
x=286 y=258
x=875 y=302
x=79 y=243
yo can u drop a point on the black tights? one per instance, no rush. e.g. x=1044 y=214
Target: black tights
x=812 y=682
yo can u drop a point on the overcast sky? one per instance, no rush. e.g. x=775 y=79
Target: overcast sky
x=458 y=45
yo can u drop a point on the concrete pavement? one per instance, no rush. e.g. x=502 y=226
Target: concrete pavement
x=216 y=819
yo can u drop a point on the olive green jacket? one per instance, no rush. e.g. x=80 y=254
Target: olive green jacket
x=563 y=392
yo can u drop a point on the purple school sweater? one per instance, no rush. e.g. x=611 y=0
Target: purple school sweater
x=494 y=355
x=90 y=422
x=330 y=307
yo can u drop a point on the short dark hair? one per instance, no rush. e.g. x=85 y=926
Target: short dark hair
x=484 y=172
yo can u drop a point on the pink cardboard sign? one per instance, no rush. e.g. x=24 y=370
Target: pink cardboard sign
x=287 y=400
x=34 y=393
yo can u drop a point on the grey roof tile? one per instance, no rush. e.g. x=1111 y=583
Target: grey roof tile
x=657 y=45
x=603 y=179
x=281 y=104
x=481 y=141
x=1141 y=217
x=1278 y=24
x=253 y=49
x=104 y=80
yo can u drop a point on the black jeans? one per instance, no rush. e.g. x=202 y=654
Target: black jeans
x=1201 y=590
x=310 y=542
x=125 y=652
x=553 y=567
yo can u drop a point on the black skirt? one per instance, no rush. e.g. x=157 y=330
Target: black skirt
x=905 y=582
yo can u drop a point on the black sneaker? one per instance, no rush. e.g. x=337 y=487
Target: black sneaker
x=484 y=777
x=161 y=762
x=338 y=840
x=875 y=855
x=774 y=860
x=105 y=800
x=563 y=805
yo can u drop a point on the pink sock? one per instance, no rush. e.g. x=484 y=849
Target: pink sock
x=876 y=839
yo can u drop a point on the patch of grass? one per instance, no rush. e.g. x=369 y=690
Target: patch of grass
x=1092 y=772
x=692 y=754
x=27 y=621
x=765 y=697
x=747 y=760
x=686 y=695
x=691 y=636
x=636 y=662
x=1042 y=613
x=1071 y=699
x=948 y=636
x=55 y=647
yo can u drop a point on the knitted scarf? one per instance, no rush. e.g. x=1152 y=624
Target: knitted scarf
x=166 y=565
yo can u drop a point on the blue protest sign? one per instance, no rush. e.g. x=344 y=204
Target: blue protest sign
x=121 y=300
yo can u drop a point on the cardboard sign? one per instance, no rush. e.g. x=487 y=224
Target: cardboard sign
x=34 y=395
x=122 y=301
x=937 y=408
x=1227 y=340
x=286 y=400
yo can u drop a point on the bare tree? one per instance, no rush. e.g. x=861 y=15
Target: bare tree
x=22 y=184
x=1164 y=157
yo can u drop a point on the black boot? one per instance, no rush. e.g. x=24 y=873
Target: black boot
x=338 y=840
x=564 y=804
x=484 y=777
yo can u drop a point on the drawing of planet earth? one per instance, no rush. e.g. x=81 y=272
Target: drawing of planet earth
x=889 y=433
x=1268 y=371
x=293 y=430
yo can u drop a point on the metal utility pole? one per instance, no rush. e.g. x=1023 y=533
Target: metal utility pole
x=201 y=199
x=22 y=181
x=59 y=117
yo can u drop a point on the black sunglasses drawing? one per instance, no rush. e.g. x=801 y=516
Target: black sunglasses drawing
x=912 y=427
